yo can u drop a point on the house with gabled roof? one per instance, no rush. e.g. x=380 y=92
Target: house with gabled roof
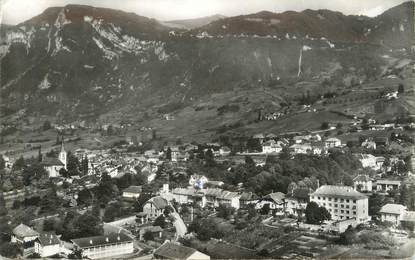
x=392 y=213
x=155 y=207
x=275 y=201
x=47 y=244
x=23 y=234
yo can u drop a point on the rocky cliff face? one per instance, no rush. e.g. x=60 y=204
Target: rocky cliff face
x=81 y=61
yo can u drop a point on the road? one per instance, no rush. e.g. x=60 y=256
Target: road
x=178 y=223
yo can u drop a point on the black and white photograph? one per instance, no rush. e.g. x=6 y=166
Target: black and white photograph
x=207 y=129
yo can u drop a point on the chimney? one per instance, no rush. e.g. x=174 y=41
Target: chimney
x=90 y=241
x=106 y=239
x=118 y=238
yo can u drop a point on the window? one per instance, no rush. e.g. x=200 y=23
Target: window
x=341 y=211
x=354 y=207
x=347 y=206
x=341 y=205
x=354 y=201
x=341 y=200
x=318 y=197
x=329 y=199
x=335 y=205
x=354 y=212
x=329 y=204
x=335 y=200
x=347 y=201
x=347 y=212
x=335 y=210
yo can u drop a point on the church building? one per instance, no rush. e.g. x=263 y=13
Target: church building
x=54 y=165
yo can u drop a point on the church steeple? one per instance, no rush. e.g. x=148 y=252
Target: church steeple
x=62 y=154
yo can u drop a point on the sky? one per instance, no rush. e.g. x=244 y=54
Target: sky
x=16 y=11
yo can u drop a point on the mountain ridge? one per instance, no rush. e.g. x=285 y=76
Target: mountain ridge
x=84 y=62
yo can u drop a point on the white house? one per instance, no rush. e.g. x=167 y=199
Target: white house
x=300 y=148
x=332 y=142
x=198 y=180
x=362 y=183
x=107 y=246
x=392 y=213
x=132 y=192
x=47 y=244
x=342 y=202
x=154 y=207
x=271 y=147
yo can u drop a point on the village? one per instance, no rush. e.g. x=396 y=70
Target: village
x=202 y=201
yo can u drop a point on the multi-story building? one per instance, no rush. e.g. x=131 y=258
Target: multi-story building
x=104 y=246
x=342 y=202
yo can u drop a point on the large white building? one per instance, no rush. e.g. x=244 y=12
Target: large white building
x=342 y=202
x=104 y=246
x=47 y=245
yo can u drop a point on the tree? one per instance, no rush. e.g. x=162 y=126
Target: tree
x=19 y=164
x=375 y=202
x=112 y=211
x=168 y=154
x=2 y=163
x=73 y=164
x=265 y=209
x=348 y=236
x=205 y=229
x=315 y=214
x=88 y=225
x=148 y=236
x=209 y=158
x=401 y=88
x=50 y=202
x=84 y=165
x=9 y=249
x=324 y=125
x=225 y=211
x=254 y=145
x=46 y=125
x=160 y=221
x=285 y=154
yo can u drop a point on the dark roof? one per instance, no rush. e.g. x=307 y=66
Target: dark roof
x=158 y=202
x=48 y=161
x=133 y=189
x=113 y=238
x=173 y=251
x=47 y=239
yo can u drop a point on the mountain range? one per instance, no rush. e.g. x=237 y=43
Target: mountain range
x=82 y=62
